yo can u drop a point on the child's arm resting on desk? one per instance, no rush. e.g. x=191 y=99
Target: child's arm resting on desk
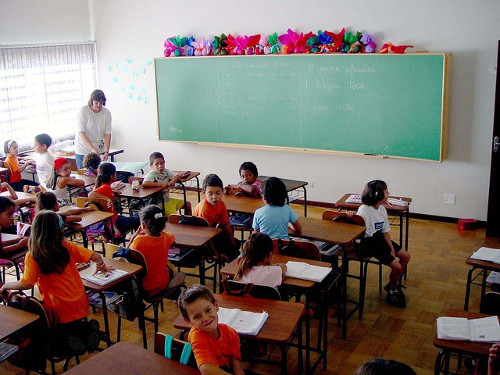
x=295 y=226
x=15 y=244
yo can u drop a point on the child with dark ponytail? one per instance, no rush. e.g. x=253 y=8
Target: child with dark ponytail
x=153 y=242
x=255 y=264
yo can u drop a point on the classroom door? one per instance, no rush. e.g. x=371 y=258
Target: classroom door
x=493 y=223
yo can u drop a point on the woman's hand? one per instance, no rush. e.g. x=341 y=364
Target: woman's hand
x=105 y=156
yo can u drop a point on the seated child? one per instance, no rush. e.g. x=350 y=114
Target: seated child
x=11 y=162
x=61 y=179
x=216 y=347
x=91 y=162
x=153 y=243
x=274 y=217
x=160 y=176
x=48 y=201
x=249 y=184
x=4 y=186
x=214 y=210
x=44 y=160
x=255 y=265
x=7 y=208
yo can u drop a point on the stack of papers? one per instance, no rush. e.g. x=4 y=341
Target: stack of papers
x=243 y=322
x=354 y=198
x=487 y=254
x=304 y=271
x=397 y=202
x=481 y=330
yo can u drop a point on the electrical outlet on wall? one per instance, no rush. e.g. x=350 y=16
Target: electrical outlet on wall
x=450 y=198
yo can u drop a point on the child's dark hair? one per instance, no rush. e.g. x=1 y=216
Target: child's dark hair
x=249 y=166
x=44 y=139
x=91 y=160
x=274 y=191
x=7 y=145
x=105 y=173
x=373 y=192
x=255 y=250
x=98 y=96
x=212 y=180
x=384 y=367
x=155 y=155
x=152 y=217
x=45 y=201
x=46 y=243
x=5 y=203
x=191 y=294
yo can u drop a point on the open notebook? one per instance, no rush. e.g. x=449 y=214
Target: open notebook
x=101 y=278
x=482 y=329
x=488 y=254
x=243 y=322
x=304 y=271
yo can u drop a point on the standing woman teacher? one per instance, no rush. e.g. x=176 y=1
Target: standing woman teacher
x=93 y=130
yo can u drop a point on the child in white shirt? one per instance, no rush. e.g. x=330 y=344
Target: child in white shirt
x=44 y=160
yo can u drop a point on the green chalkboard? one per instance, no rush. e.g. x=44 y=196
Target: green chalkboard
x=390 y=105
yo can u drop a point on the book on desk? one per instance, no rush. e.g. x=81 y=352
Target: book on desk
x=101 y=278
x=478 y=330
x=487 y=254
x=243 y=322
x=304 y=271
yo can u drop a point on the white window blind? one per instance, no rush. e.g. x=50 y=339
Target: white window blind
x=42 y=88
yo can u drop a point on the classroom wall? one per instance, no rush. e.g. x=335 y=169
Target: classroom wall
x=130 y=33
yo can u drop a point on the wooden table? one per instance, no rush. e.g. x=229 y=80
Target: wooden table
x=183 y=181
x=475 y=349
x=242 y=204
x=341 y=234
x=290 y=186
x=127 y=358
x=131 y=270
x=88 y=180
x=88 y=218
x=283 y=320
x=13 y=320
x=303 y=286
x=484 y=267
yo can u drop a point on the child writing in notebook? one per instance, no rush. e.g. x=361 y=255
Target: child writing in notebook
x=50 y=263
x=106 y=175
x=249 y=184
x=216 y=347
x=256 y=263
x=160 y=176
x=377 y=241
x=214 y=210
x=153 y=243
x=91 y=162
x=61 y=179
x=48 y=201
x=7 y=208
x=275 y=217
x=11 y=150
x=44 y=160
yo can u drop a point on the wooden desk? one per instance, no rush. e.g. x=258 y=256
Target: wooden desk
x=341 y=234
x=290 y=186
x=131 y=270
x=127 y=358
x=242 y=204
x=484 y=267
x=303 y=286
x=13 y=320
x=183 y=181
x=88 y=180
x=283 y=320
x=88 y=219
x=475 y=349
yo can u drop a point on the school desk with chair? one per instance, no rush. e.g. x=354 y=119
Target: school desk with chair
x=284 y=319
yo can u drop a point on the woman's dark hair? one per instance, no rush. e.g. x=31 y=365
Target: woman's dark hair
x=46 y=243
x=98 y=96
x=44 y=139
x=5 y=203
x=152 y=217
x=274 y=191
x=212 y=180
x=373 y=192
x=384 y=367
x=45 y=201
x=255 y=250
x=104 y=174
x=91 y=160
x=249 y=166
x=191 y=294
x=155 y=155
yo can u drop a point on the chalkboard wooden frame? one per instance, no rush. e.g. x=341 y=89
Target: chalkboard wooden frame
x=365 y=104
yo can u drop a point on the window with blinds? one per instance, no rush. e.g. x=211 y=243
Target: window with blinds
x=42 y=88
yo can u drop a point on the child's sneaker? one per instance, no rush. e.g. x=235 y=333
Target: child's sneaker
x=396 y=299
